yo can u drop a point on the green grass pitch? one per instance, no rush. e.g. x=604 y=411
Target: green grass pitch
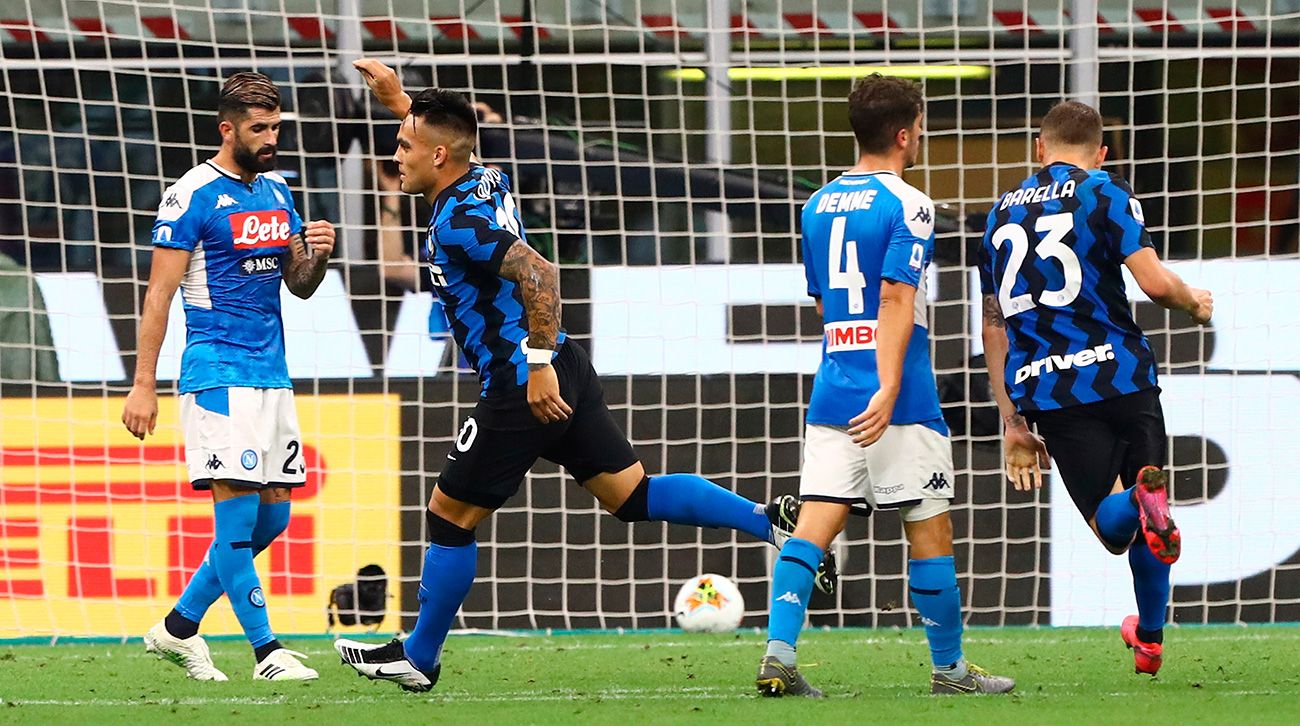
x=1221 y=675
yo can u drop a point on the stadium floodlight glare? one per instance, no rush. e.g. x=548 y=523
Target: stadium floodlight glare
x=838 y=73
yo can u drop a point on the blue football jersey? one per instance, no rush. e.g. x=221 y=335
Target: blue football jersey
x=858 y=230
x=237 y=234
x=474 y=222
x=1052 y=254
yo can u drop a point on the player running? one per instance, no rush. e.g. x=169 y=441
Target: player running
x=227 y=234
x=540 y=396
x=1079 y=367
x=875 y=437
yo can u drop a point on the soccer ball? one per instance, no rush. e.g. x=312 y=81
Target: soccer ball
x=709 y=603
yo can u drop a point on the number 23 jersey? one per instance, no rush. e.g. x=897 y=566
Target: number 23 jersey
x=1052 y=255
x=859 y=230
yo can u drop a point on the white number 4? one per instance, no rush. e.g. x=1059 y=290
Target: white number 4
x=845 y=274
x=1057 y=226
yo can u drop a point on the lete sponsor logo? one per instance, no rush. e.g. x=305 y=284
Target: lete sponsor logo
x=268 y=228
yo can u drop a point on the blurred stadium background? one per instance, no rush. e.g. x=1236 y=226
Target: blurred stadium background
x=661 y=150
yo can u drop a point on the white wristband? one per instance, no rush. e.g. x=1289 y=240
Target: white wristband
x=539 y=356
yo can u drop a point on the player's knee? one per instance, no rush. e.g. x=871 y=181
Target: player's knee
x=445 y=533
x=636 y=508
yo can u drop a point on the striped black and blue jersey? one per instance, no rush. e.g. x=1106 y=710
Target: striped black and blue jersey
x=474 y=222
x=1052 y=255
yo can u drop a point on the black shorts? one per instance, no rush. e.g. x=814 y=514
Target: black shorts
x=1093 y=444
x=501 y=439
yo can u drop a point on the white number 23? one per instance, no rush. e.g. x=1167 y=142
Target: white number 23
x=1056 y=227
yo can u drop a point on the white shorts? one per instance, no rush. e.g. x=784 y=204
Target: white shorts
x=909 y=469
x=246 y=436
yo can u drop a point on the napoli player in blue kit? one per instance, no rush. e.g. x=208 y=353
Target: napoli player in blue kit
x=227 y=234
x=540 y=397
x=875 y=437
x=1064 y=354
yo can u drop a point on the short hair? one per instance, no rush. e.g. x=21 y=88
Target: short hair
x=1073 y=124
x=881 y=105
x=243 y=91
x=448 y=109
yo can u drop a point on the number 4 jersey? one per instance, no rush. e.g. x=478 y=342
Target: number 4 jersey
x=859 y=230
x=1052 y=255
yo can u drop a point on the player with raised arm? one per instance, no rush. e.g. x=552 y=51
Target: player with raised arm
x=875 y=437
x=1064 y=353
x=227 y=234
x=540 y=396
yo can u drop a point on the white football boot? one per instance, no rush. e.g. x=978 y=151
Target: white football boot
x=190 y=653
x=282 y=665
x=386 y=662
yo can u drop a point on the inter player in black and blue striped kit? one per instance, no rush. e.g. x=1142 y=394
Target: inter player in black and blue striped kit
x=540 y=396
x=1064 y=353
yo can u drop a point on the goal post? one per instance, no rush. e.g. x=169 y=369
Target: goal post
x=660 y=152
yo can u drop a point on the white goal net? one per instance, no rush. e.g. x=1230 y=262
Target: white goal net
x=660 y=151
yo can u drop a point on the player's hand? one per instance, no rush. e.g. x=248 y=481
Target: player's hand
x=1026 y=457
x=385 y=84
x=140 y=414
x=544 y=395
x=319 y=236
x=1203 y=306
x=867 y=427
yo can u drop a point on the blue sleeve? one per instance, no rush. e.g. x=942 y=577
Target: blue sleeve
x=295 y=221
x=911 y=243
x=809 y=267
x=179 y=225
x=476 y=234
x=1125 y=222
x=986 y=258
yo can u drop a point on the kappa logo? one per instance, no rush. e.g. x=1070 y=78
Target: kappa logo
x=791 y=598
x=259 y=265
x=928 y=622
x=214 y=463
x=922 y=215
x=225 y=200
x=937 y=481
x=171 y=201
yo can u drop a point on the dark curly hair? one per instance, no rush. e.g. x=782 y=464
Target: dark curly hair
x=881 y=105
x=243 y=91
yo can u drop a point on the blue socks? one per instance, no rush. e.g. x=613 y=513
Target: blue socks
x=232 y=558
x=1151 y=586
x=792 y=584
x=696 y=501
x=444 y=582
x=933 y=584
x=1117 y=522
x=1117 y=518
x=204 y=588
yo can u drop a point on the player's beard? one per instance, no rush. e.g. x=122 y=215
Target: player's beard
x=250 y=161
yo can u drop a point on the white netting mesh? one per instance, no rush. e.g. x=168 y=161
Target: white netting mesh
x=660 y=151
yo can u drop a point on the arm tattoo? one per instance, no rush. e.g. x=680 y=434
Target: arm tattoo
x=1015 y=421
x=303 y=274
x=539 y=283
x=993 y=312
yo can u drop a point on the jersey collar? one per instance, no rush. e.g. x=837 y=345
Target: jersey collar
x=868 y=173
x=231 y=175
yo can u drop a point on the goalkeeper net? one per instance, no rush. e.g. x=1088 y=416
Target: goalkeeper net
x=660 y=152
